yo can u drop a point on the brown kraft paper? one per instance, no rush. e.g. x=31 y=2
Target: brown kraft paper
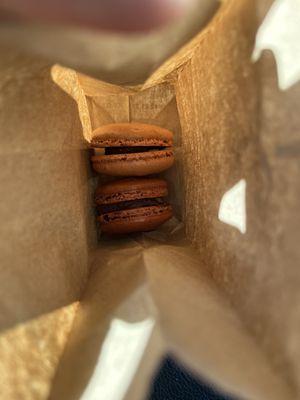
x=223 y=302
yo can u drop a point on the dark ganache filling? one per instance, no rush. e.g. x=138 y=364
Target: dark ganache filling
x=128 y=205
x=132 y=149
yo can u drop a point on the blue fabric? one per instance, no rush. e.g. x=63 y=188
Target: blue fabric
x=173 y=382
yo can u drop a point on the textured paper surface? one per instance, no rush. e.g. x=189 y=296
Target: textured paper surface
x=231 y=123
x=209 y=93
x=30 y=353
x=192 y=320
x=47 y=223
x=45 y=228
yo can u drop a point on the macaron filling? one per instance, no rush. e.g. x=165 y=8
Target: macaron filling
x=131 y=149
x=131 y=204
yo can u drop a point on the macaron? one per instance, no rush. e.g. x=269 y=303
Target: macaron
x=132 y=205
x=132 y=149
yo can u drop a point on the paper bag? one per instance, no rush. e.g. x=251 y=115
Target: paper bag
x=86 y=317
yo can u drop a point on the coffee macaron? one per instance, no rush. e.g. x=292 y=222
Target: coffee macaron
x=132 y=205
x=132 y=149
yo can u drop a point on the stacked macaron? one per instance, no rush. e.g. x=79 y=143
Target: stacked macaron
x=132 y=149
x=132 y=205
x=135 y=150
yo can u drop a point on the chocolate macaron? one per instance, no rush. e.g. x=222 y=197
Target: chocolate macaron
x=132 y=149
x=132 y=205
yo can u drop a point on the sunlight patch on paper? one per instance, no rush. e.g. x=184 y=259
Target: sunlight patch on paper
x=232 y=210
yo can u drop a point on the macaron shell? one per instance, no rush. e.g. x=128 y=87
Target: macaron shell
x=135 y=220
x=131 y=134
x=134 y=164
x=131 y=189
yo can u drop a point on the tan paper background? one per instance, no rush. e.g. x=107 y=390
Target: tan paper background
x=231 y=123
